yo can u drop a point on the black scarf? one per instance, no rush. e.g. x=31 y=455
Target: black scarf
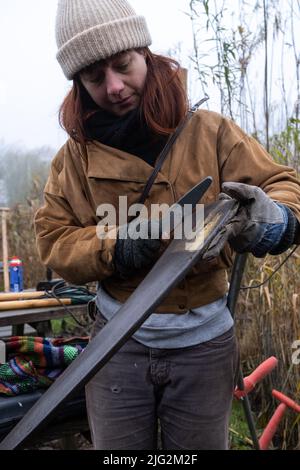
x=129 y=133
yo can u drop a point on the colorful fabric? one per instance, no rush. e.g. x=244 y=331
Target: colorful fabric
x=36 y=362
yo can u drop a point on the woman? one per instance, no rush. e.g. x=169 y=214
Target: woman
x=179 y=368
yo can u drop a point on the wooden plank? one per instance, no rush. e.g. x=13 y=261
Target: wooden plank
x=18 y=317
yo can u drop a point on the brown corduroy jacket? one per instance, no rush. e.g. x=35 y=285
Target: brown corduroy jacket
x=80 y=181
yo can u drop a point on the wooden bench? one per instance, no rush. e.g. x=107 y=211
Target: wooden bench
x=36 y=316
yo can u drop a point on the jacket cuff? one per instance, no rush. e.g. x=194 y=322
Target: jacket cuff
x=289 y=236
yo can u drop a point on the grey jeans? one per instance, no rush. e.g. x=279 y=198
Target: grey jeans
x=188 y=391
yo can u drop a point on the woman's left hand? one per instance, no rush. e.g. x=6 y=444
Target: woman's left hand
x=257 y=212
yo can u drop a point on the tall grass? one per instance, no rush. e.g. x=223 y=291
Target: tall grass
x=268 y=323
x=21 y=242
x=23 y=174
x=247 y=58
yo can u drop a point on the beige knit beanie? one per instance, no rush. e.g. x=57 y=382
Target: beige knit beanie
x=91 y=30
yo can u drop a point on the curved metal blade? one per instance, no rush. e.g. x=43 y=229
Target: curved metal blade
x=170 y=269
x=186 y=203
x=193 y=196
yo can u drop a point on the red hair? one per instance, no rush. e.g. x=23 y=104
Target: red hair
x=164 y=102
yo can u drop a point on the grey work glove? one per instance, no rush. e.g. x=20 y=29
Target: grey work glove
x=247 y=228
x=137 y=246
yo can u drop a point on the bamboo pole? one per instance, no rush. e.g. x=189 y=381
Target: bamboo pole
x=21 y=295
x=4 y=212
x=40 y=303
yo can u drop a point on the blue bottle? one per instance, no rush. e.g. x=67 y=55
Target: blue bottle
x=16 y=275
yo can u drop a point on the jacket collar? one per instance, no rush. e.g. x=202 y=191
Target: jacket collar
x=110 y=163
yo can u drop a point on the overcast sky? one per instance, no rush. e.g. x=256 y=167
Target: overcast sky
x=32 y=84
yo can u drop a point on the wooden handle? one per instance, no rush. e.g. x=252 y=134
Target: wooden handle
x=42 y=303
x=21 y=295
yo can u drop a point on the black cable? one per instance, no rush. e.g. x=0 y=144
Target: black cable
x=273 y=274
x=63 y=290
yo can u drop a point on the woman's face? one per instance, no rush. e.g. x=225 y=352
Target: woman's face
x=116 y=84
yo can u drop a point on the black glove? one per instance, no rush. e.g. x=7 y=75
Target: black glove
x=137 y=246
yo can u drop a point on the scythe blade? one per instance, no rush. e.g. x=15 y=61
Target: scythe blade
x=169 y=270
